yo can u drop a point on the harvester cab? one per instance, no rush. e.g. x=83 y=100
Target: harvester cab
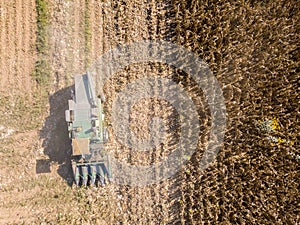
x=85 y=118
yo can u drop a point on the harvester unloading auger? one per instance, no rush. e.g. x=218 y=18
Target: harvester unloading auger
x=85 y=118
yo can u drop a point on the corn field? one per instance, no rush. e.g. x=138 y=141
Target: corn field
x=252 y=49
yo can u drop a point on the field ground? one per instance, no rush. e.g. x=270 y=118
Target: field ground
x=253 y=51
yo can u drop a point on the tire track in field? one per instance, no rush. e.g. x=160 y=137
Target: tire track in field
x=28 y=41
x=10 y=51
x=17 y=41
x=3 y=45
x=24 y=61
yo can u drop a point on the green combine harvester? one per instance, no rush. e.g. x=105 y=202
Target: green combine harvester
x=85 y=118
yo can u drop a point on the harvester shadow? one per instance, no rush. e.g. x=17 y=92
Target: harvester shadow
x=56 y=142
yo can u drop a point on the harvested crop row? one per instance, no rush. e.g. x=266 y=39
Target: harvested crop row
x=17 y=45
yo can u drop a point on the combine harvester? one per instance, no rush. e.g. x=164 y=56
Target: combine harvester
x=90 y=163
